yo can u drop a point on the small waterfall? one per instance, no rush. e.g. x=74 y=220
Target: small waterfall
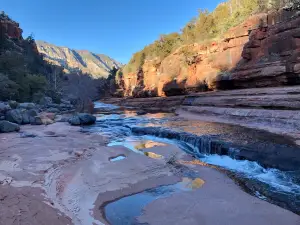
x=200 y=144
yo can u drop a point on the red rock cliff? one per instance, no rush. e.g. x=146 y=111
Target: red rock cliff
x=262 y=51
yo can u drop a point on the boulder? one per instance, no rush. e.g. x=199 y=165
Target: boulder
x=62 y=118
x=28 y=116
x=27 y=105
x=53 y=110
x=47 y=118
x=37 y=120
x=47 y=121
x=74 y=121
x=13 y=104
x=14 y=116
x=6 y=126
x=48 y=115
x=53 y=105
x=66 y=107
x=67 y=102
x=4 y=107
x=25 y=118
x=82 y=119
x=86 y=119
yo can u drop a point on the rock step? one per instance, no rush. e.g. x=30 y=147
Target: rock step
x=247 y=113
x=284 y=158
x=286 y=102
x=291 y=90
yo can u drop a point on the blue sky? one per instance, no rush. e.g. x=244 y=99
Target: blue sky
x=117 y=28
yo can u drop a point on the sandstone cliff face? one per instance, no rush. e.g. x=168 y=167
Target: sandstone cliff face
x=262 y=51
x=97 y=65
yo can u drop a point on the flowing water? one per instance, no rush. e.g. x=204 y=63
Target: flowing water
x=228 y=147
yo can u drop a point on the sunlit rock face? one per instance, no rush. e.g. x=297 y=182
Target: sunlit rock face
x=261 y=52
x=10 y=28
x=96 y=65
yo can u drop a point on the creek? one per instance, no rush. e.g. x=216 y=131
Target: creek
x=246 y=155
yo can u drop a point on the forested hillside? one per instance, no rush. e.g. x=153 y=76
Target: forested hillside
x=24 y=75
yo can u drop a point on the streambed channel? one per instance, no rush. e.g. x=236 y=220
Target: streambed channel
x=263 y=164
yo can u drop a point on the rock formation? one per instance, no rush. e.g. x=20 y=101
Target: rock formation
x=262 y=51
x=10 y=28
x=97 y=65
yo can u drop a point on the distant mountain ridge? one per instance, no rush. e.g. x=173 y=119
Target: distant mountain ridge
x=96 y=65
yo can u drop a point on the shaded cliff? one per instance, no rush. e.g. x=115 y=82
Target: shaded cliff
x=261 y=51
x=96 y=65
x=24 y=75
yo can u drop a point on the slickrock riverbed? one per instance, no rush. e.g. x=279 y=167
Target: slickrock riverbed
x=65 y=175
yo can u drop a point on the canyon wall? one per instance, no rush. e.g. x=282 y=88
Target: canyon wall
x=96 y=65
x=262 y=51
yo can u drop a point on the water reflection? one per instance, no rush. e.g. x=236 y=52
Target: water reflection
x=117 y=158
x=136 y=144
x=125 y=210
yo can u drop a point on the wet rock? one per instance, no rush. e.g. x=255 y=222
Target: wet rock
x=6 y=126
x=86 y=119
x=27 y=105
x=14 y=116
x=74 y=121
x=82 y=119
x=141 y=112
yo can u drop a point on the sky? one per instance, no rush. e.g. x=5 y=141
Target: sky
x=117 y=28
